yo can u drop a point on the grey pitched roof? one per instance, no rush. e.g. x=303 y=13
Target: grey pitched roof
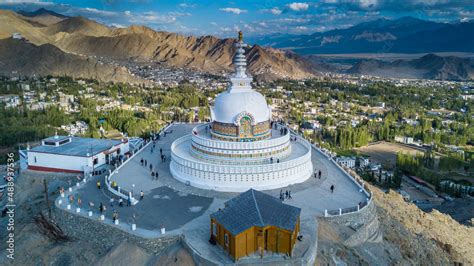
x=255 y=208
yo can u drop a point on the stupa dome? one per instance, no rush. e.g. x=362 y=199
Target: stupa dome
x=230 y=105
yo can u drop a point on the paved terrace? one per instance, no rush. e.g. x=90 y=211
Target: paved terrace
x=185 y=210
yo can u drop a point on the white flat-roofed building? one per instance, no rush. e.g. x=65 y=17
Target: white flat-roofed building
x=346 y=161
x=75 y=154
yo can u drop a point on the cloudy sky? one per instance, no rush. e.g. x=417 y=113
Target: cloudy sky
x=254 y=17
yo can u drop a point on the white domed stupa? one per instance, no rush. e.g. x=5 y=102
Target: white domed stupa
x=241 y=148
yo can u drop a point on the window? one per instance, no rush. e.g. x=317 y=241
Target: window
x=214 y=229
x=96 y=161
x=226 y=239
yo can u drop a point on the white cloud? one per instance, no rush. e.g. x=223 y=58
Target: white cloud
x=234 y=10
x=185 y=5
x=275 y=11
x=298 y=6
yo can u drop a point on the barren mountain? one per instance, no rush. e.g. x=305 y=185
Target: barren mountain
x=80 y=35
x=23 y=58
x=429 y=66
x=43 y=16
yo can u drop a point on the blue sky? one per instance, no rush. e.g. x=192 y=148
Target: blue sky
x=223 y=18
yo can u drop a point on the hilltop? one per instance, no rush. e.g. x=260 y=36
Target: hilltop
x=79 y=35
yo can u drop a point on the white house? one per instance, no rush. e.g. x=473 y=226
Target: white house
x=346 y=161
x=75 y=154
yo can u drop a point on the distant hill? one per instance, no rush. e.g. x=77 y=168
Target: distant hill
x=79 y=35
x=19 y=57
x=43 y=16
x=428 y=67
x=404 y=35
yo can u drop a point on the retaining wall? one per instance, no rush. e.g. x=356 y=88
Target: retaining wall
x=106 y=236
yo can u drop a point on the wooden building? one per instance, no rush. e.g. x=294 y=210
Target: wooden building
x=255 y=222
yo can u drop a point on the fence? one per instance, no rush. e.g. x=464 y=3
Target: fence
x=118 y=191
x=349 y=174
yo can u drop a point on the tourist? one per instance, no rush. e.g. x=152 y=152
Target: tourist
x=278 y=160
x=161 y=151
x=142 y=195
x=129 y=201
x=91 y=205
x=71 y=199
x=315 y=175
x=271 y=159
x=121 y=202
x=151 y=167
x=332 y=188
x=152 y=175
x=151 y=150
x=101 y=208
x=319 y=174
x=111 y=202
x=286 y=194
x=156 y=175
x=141 y=161
x=145 y=163
x=289 y=194
x=114 y=216
x=98 y=184
x=79 y=202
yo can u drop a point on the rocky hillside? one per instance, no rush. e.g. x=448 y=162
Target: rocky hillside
x=453 y=238
x=22 y=57
x=409 y=236
x=429 y=66
x=206 y=53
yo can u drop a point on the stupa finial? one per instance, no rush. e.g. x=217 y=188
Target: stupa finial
x=241 y=36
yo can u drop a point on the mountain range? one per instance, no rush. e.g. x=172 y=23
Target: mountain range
x=81 y=47
x=84 y=37
x=430 y=66
x=403 y=35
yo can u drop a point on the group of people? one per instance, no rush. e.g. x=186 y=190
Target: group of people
x=317 y=174
x=285 y=195
x=271 y=160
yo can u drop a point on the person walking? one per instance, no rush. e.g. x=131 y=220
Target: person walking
x=98 y=184
x=101 y=208
x=141 y=161
x=145 y=163
x=111 y=202
x=289 y=194
x=332 y=188
x=319 y=174
x=151 y=167
x=121 y=202
x=142 y=195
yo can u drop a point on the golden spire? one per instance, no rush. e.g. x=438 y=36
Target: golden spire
x=241 y=36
